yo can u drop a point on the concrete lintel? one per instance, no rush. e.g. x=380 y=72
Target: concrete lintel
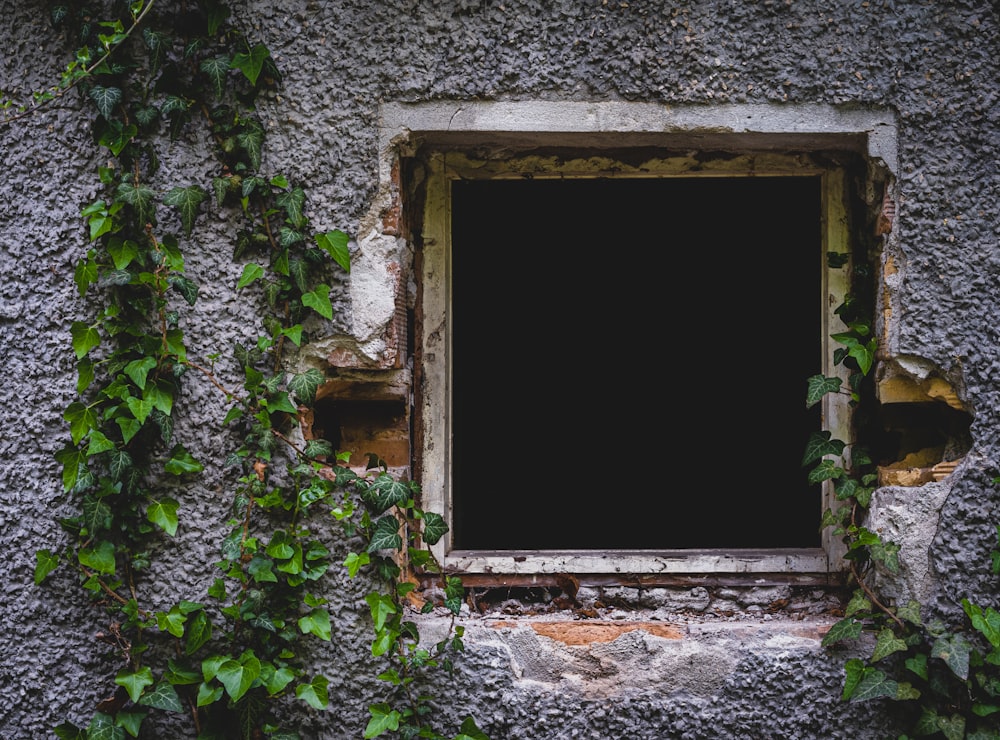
x=878 y=126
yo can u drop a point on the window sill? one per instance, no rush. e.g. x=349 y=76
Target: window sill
x=648 y=567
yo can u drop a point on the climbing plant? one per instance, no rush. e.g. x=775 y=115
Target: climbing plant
x=946 y=680
x=235 y=659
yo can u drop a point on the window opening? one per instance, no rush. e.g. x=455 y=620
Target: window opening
x=629 y=359
x=565 y=424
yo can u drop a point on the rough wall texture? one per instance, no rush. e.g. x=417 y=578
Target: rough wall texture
x=935 y=63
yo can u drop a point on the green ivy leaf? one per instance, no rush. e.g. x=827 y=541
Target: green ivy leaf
x=334 y=243
x=276 y=682
x=314 y=693
x=294 y=333
x=181 y=461
x=910 y=612
x=85 y=338
x=236 y=412
x=199 y=631
x=826 y=470
x=72 y=460
x=171 y=253
x=820 y=445
x=135 y=681
x=210 y=666
x=434 y=527
x=251 y=64
x=69 y=731
x=105 y=98
x=845 y=629
x=96 y=515
x=854 y=669
x=85 y=273
x=218 y=589
x=85 y=375
x=172 y=621
x=288 y=237
x=102 y=727
x=305 y=385
x=986 y=622
x=386 y=535
x=187 y=288
x=846 y=487
x=208 y=694
x=139 y=369
x=216 y=69
x=299 y=271
x=129 y=426
x=175 y=344
x=293 y=201
x=260 y=569
x=385 y=492
x=279 y=402
x=131 y=721
x=161 y=395
x=115 y=277
x=317 y=448
x=355 y=561
x=180 y=674
x=818 y=386
x=280 y=546
x=123 y=252
x=147 y=115
x=279 y=262
x=470 y=731
x=251 y=141
x=954 y=650
x=886 y=554
x=99 y=557
x=176 y=107
x=953 y=727
x=292 y=565
x=251 y=272
x=238 y=676
x=319 y=301
x=157 y=42
x=875 y=685
x=45 y=563
x=384 y=719
x=886 y=644
x=381 y=607
x=164 y=515
x=140 y=408
x=142 y=199
x=99 y=218
x=81 y=420
x=316 y=622
x=187 y=200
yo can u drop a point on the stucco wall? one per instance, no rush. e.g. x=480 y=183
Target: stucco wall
x=934 y=63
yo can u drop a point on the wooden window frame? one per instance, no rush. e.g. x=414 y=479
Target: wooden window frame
x=428 y=146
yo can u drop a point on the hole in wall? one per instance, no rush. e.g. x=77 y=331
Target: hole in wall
x=364 y=426
x=917 y=441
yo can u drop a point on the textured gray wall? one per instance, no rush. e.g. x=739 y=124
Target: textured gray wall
x=934 y=62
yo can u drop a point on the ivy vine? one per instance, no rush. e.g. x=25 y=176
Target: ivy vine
x=946 y=680
x=228 y=657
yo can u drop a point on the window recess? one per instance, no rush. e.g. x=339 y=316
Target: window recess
x=613 y=344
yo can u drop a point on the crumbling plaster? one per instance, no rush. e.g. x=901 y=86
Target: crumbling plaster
x=345 y=64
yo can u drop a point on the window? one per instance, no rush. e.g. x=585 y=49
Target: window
x=614 y=334
x=626 y=353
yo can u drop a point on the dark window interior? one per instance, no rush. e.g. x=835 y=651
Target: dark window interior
x=630 y=360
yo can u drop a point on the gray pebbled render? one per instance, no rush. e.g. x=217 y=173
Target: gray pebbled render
x=935 y=63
